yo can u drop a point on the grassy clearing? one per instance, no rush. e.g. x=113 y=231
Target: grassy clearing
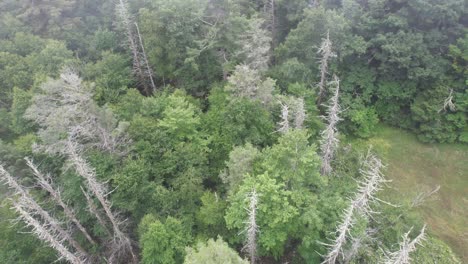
x=415 y=167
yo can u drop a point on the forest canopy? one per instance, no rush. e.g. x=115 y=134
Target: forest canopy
x=219 y=131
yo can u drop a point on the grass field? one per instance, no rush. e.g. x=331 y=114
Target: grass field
x=415 y=167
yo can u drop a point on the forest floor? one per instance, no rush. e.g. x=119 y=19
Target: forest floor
x=415 y=167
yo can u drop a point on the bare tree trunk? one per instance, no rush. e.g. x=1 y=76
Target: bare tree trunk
x=299 y=113
x=360 y=204
x=336 y=247
x=284 y=124
x=53 y=240
x=94 y=211
x=122 y=244
x=252 y=228
x=126 y=21
x=326 y=53
x=269 y=8
x=329 y=141
x=31 y=207
x=45 y=183
x=149 y=71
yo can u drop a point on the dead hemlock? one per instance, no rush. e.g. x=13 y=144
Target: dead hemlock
x=295 y=107
x=135 y=44
x=284 y=123
x=66 y=105
x=52 y=239
x=326 y=53
x=329 y=141
x=299 y=113
x=402 y=256
x=360 y=204
x=269 y=10
x=50 y=230
x=122 y=245
x=45 y=181
x=251 y=229
x=448 y=103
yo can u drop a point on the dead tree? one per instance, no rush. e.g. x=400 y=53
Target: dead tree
x=336 y=247
x=94 y=211
x=122 y=245
x=255 y=45
x=269 y=9
x=135 y=44
x=372 y=183
x=402 y=256
x=326 y=54
x=32 y=209
x=360 y=204
x=329 y=141
x=66 y=104
x=448 y=103
x=149 y=71
x=299 y=113
x=45 y=181
x=251 y=229
x=54 y=240
x=284 y=123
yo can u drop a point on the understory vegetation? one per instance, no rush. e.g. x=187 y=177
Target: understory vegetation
x=233 y=131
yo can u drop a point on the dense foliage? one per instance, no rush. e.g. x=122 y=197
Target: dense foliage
x=234 y=110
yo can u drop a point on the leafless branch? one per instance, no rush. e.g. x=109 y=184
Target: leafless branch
x=402 y=256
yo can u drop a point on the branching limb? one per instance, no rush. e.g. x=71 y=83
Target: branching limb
x=402 y=256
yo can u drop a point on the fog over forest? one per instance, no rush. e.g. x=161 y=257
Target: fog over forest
x=233 y=131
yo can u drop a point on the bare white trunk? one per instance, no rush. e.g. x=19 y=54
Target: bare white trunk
x=94 y=211
x=336 y=247
x=326 y=53
x=122 y=244
x=360 y=204
x=329 y=141
x=252 y=228
x=299 y=113
x=135 y=45
x=284 y=123
x=45 y=182
x=149 y=71
x=53 y=240
x=448 y=103
x=32 y=208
